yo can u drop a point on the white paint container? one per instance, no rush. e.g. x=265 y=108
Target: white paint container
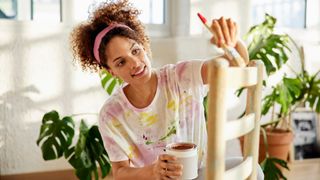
x=187 y=155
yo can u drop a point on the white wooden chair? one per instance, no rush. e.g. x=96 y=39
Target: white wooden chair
x=221 y=77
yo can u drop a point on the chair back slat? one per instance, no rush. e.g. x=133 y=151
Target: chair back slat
x=241 y=171
x=239 y=127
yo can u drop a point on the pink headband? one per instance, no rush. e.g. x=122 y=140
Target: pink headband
x=99 y=37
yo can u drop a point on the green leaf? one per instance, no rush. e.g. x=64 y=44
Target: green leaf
x=81 y=144
x=96 y=176
x=271 y=170
x=111 y=86
x=268 y=102
x=68 y=152
x=318 y=106
x=89 y=151
x=267 y=46
x=83 y=174
x=55 y=135
x=284 y=98
x=104 y=166
x=48 y=148
x=294 y=86
x=105 y=77
x=108 y=82
x=239 y=92
x=312 y=99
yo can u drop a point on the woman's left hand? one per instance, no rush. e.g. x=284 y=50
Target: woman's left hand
x=225 y=32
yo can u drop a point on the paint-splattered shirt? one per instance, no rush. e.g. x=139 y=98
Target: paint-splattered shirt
x=176 y=114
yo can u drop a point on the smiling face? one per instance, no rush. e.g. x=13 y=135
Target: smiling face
x=128 y=60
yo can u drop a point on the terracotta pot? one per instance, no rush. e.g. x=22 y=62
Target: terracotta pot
x=279 y=142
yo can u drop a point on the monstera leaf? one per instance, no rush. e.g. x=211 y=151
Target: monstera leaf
x=267 y=46
x=55 y=135
x=313 y=86
x=270 y=169
x=108 y=82
x=294 y=91
x=88 y=153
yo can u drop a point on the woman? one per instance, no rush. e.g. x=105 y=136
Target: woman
x=155 y=106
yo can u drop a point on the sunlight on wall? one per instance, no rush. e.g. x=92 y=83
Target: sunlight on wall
x=196 y=27
x=37 y=76
x=314 y=13
x=1 y=137
x=312 y=59
x=44 y=66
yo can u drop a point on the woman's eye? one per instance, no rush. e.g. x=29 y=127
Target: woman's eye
x=120 y=63
x=135 y=51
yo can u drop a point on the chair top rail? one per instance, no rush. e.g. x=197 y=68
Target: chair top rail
x=242 y=77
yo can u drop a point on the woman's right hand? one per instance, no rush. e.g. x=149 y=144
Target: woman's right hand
x=167 y=167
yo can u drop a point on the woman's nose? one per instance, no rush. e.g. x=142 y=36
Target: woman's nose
x=134 y=63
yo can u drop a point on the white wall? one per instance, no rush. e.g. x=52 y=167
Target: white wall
x=36 y=76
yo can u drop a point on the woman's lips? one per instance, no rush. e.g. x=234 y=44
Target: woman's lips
x=140 y=72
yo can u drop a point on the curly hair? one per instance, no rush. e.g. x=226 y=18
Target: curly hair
x=83 y=36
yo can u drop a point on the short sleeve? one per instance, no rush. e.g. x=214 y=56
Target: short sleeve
x=188 y=74
x=114 y=151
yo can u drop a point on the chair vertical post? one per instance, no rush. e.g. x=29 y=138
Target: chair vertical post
x=254 y=106
x=216 y=119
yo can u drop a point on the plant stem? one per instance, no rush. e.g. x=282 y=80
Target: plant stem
x=265 y=140
x=272 y=114
x=300 y=51
x=83 y=114
x=269 y=123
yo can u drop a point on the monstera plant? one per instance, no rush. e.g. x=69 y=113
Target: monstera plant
x=56 y=137
x=272 y=50
x=301 y=88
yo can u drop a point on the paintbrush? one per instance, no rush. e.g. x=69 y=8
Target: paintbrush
x=231 y=52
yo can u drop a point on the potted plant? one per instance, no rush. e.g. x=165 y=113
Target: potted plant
x=290 y=93
x=303 y=89
x=56 y=139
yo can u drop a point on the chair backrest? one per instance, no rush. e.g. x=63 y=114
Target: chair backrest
x=221 y=78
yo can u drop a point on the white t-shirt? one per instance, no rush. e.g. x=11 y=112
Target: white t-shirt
x=176 y=114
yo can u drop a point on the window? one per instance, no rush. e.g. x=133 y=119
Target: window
x=289 y=13
x=37 y=10
x=8 y=9
x=153 y=11
x=46 y=10
x=153 y=14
